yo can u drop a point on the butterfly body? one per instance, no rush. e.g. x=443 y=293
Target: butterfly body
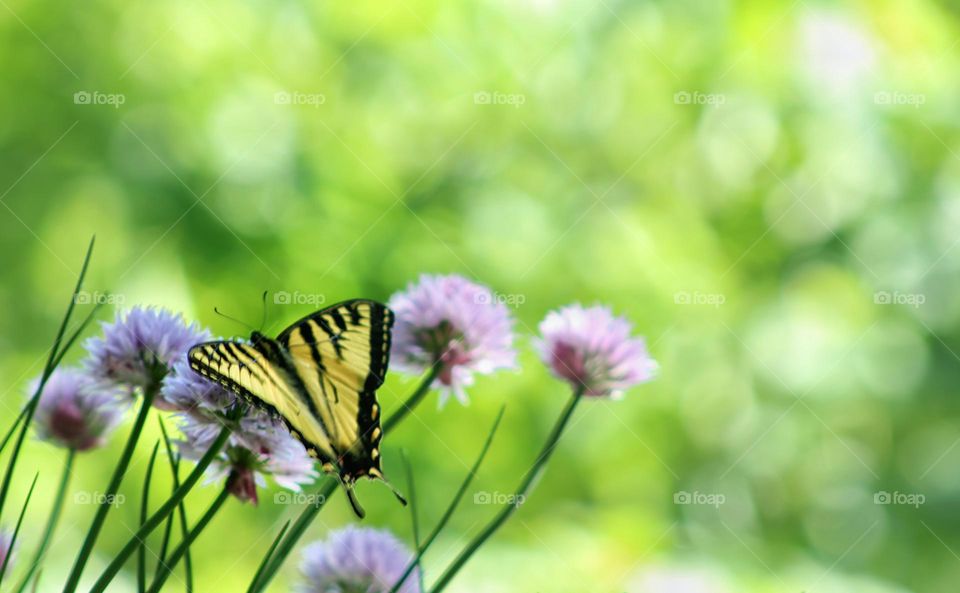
x=320 y=376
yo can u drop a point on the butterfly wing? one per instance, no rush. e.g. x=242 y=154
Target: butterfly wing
x=259 y=375
x=340 y=355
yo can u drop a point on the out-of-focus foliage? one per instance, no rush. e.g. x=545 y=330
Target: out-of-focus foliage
x=770 y=191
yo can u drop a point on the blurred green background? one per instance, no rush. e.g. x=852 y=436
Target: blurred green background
x=770 y=191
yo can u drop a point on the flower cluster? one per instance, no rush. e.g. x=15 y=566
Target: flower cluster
x=446 y=323
x=592 y=350
x=454 y=324
x=74 y=413
x=354 y=560
x=446 y=326
x=463 y=329
x=137 y=350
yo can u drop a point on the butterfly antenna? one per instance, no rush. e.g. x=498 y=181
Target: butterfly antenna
x=396 y=492
x=234 y=319
x=263 y=320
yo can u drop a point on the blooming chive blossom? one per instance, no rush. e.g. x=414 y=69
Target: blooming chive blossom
x=357 y=560
x=259 y=445
x=450 y=321
x=591 y=348
x=137 y=349
x=75 y=413
x=6 y=542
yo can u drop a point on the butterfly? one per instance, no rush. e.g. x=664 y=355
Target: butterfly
x=320 y=376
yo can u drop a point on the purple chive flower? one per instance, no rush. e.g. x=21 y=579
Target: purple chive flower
x=259 y=445
x=591 y=348
x=450 y=321
x=6 y=541
x=75 y=413
x=139 y=347
x=357 y=560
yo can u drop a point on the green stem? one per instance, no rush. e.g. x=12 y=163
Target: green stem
x=422 y=549
x=16 y=423
x=414 y=520
x=184 y=530
x=520 y=495
x=167 y=567
x=160 y=514
x=55 y=513
x=144 y=508
x=101 y=515
x=181 y=508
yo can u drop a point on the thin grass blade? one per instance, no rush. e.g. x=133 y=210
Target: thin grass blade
x=266 y=558
x=414 y=516
x=144 y=507
x=181 y=511
x=16 y=530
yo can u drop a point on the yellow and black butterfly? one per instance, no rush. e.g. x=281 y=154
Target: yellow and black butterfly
x=320 y=376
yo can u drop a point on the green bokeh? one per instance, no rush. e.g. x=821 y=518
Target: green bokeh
x=769 y=191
